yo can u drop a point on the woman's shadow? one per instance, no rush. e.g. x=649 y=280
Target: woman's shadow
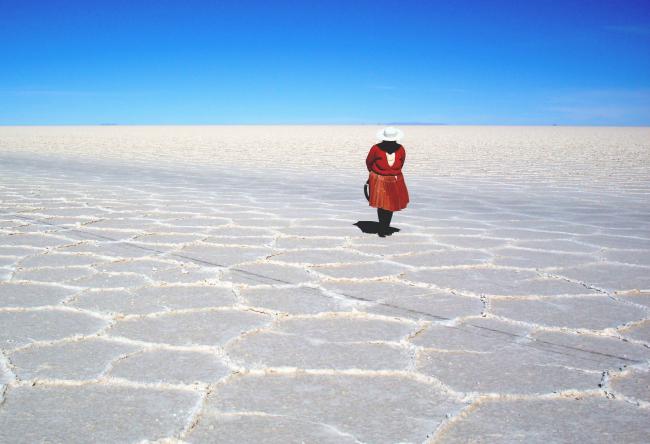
x=372 y=227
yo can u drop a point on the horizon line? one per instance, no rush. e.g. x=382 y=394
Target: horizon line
x=646 y=125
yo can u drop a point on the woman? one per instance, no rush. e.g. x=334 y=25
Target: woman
x=388 y=191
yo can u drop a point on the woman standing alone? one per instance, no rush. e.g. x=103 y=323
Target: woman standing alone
x=388 y=191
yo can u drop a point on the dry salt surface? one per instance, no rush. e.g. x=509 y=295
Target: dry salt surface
x=207 y=284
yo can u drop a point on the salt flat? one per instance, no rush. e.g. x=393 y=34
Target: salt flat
x=207 y=284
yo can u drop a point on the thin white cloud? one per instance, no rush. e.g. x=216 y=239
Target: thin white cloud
x=595 y=112
x=606 y=106
x=642 y=94
x=383 y=87
x=63 y=92
x=47 y=92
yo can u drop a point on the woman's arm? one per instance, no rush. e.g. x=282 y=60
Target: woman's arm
x=401 y=156
x=370 y=159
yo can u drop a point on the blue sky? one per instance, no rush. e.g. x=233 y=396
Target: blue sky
x=252 y=62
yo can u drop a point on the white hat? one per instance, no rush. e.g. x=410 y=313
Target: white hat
x=390 y=134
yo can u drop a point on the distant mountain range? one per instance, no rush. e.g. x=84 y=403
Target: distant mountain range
x=414 y=123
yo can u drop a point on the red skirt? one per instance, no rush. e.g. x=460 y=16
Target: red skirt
x=388 y=192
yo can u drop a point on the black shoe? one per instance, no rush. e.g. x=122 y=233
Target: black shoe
x=382 y=234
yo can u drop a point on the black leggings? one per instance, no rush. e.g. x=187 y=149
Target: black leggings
x=384 y=217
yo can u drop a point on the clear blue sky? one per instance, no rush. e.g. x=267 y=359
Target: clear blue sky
x=355 y=61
